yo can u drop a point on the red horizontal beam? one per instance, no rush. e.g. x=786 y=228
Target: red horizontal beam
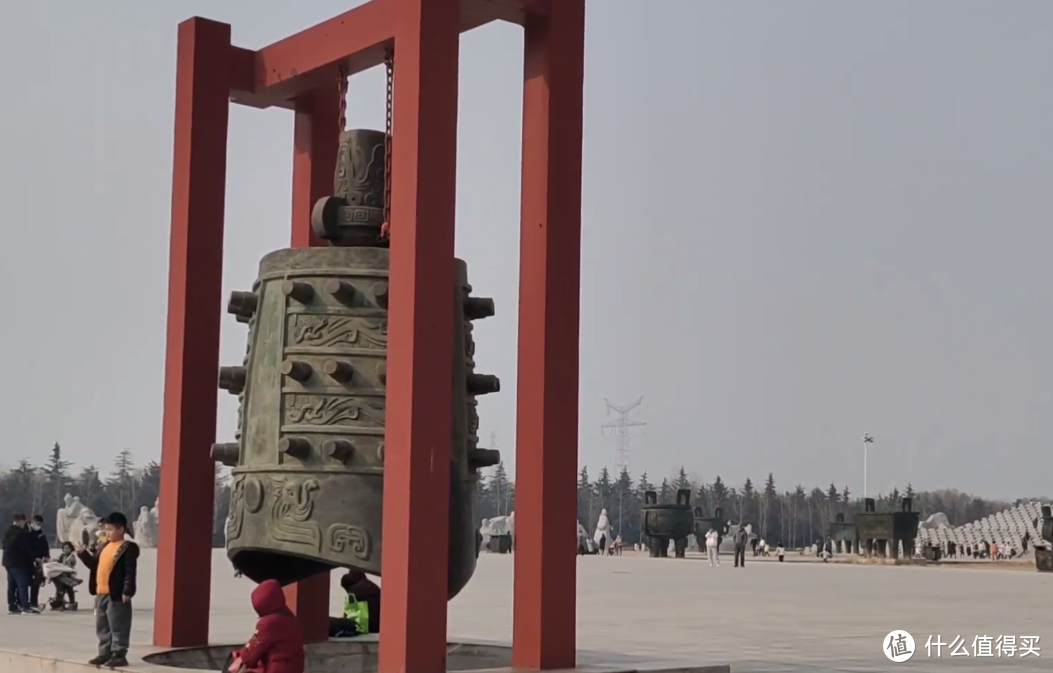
x=354 y=41
x=242 y=78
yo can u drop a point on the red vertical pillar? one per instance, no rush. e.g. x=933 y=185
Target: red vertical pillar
x=316 y=137
x=184 y=546
x=315 y=141
x=417 y=439
x=544 y=611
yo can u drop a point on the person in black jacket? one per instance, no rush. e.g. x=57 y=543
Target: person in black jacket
x=18 y=561
x=741 y=539
x=12 y=586
x=112 y=580
x=41 y=552
x=361 y=607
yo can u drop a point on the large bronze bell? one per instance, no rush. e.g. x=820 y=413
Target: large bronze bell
x=308 y=473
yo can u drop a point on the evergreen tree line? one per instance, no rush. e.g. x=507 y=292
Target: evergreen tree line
x=40 y=489
x=797 y=516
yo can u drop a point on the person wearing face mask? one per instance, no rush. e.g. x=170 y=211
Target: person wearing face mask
x=18 y=561
x=41 y=553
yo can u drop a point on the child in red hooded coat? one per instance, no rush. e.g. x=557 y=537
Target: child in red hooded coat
x=277 y=644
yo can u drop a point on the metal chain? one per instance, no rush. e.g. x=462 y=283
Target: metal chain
x=341 y=88
x=389 y=64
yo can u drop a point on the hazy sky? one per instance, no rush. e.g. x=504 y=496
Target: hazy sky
x=802 y=221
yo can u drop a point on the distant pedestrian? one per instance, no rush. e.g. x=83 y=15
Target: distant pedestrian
x=18 y=562
x=41 y=553
x=112 y=580
x=741 y=539
x=780 y=551
x=713 y=547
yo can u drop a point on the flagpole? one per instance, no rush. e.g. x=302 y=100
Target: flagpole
x=867 y=440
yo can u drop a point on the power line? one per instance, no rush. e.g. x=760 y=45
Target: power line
x=619 y=429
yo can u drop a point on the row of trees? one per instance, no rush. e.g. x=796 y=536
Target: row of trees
x=40 y=489
x=797 y=516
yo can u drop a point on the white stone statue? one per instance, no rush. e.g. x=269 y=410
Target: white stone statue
x=155 y=512
x=484 y=530
x=935 y=521
x=512 y=524
x=82 y=529
x=65 y=517
x=145 y=530
x=603 y=529
x=499 y=525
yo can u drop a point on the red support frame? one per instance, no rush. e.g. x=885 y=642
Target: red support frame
x=299 y=73
x=544 y=609
x=195 y=273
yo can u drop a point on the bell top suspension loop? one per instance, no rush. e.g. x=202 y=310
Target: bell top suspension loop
x=359 y=211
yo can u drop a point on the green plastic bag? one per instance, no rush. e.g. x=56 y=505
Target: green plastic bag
x=358 y=612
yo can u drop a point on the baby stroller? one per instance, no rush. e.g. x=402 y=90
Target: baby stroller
x=65 y=580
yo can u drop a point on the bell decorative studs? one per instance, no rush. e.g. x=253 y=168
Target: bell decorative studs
x=301 y=292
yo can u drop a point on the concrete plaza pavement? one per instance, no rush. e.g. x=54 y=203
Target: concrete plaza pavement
x=766 y=617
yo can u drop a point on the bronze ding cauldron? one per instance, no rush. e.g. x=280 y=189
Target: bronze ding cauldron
x=703 y=523
x=662 y=523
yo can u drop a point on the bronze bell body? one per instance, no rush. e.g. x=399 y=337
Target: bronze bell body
x=308 y=466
